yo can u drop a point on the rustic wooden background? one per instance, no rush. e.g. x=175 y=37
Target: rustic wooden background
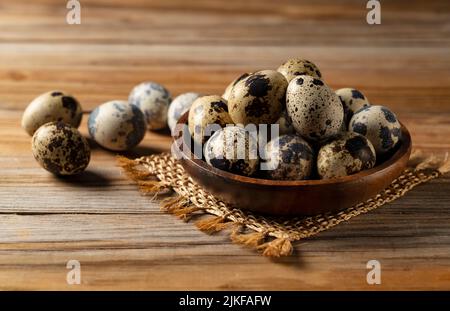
x=122 y=239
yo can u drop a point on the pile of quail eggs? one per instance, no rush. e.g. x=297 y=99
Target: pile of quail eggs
x=322 y=133
x=53 y=118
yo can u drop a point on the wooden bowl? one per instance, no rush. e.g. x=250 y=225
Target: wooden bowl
x=291 y=198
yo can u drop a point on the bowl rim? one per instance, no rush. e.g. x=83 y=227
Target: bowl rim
x=200 y=164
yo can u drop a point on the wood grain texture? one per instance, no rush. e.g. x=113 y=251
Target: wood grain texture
x=120 y=237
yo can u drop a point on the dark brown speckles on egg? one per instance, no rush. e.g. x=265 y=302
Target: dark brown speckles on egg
x=317 y=82
x=50 y=107
x=352 y=101
x=299 y=67
x=389 y=116
x=315 y=110
x=117 y=125
x=60 y=149
x=226 y=94
x=258 y=85
x=218 y=106
x=206 y=112
x=348 y=154
x=258 y=99
x=379 y=125
x=71 y=104
x=289 y=158
x=222 y=151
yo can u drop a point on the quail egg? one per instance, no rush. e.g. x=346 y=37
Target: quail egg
x=60 y=149
x=289 y=157
x=258 y=98
x=299 y=67
x=207 y=114
x=285 y=124
x=233 y=149
x=314 y=108
x=51 y=106
x=347 y=155
x=117 y=125
x=352 y=100
x=226 y=94
x=379 y=125
x=179 y=106
x=153 y=99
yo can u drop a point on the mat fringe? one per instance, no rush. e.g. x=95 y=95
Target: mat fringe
x=271 y=236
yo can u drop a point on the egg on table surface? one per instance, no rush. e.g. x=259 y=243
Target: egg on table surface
x=206 y=115
x=117 y=125
x=285 y=124
x=299 y=67
x=181 y=104
x=289 y=157
x=352 y=100
x=258 y=99
x=153 y=99
x=51 y=106
x=314 y=108
x=379 y=125
x=60 y=149
x=233 y=149
x=348 y=154
x=226 y=94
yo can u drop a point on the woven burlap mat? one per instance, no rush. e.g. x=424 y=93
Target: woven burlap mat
x=162 y=175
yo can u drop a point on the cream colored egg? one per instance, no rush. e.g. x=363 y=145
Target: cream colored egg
x=314 y=108
x=348 y=154
x=207 y=115
x=227 y=93
x=289 y=157
x=352 y=100
x=233 y=149
x=379 y=125
x=258 y=98
x=299 y=67
x=60 y=149
x=179 y=106
x=49 y=107
x=117 y=125
x=153 y=99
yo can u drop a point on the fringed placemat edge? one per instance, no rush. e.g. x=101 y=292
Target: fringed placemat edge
x=272 y=237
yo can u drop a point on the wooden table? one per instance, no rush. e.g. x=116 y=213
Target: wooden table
x=121 y=238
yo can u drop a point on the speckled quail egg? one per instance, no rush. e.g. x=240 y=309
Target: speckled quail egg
x=258 y=98
x=60 y=149
x=347 y=155
x=233 y=149
x=207 y=114
x=289 y=157
x=352 y=100
x=117 y=125
x=153 y=99
x=226 y=94
x=285 y=124
x=314 y=108
x=379 y=125
x=179 y=106
x=299 y=67
x=51 y=106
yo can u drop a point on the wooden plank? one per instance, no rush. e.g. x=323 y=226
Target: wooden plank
x=121 y=238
